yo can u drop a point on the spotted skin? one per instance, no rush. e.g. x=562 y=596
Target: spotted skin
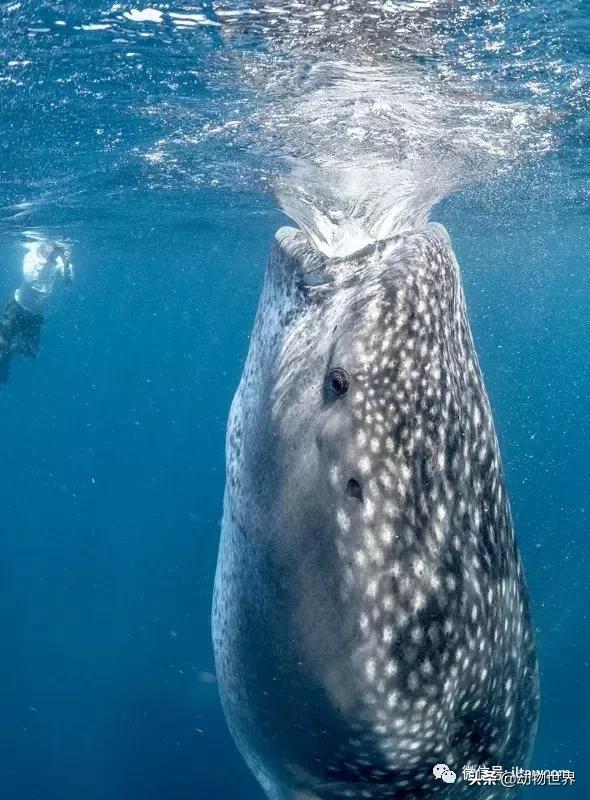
x=370 y=611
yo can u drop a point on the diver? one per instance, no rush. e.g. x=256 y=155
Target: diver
x=22 y=318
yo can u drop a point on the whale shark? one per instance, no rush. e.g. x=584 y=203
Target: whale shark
x=371 y=621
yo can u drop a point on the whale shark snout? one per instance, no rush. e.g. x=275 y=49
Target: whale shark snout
x=370 y=616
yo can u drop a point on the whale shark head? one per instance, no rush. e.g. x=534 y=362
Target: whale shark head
x=370 y=385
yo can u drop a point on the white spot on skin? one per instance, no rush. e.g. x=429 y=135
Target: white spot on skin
x=386 y=534
x=365 y=465
x=390 y=668
x=343 y=520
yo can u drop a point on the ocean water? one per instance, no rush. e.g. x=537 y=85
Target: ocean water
x=166 y=144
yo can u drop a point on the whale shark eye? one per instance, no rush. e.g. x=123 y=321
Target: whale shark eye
x=338 y=381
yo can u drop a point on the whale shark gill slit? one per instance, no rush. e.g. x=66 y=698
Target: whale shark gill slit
x=354 y=489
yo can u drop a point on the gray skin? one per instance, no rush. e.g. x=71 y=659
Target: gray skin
x=370 y=613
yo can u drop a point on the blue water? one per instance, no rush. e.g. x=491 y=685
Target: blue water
x=113 y=439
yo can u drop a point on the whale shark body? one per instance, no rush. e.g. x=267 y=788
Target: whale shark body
x=371 y=617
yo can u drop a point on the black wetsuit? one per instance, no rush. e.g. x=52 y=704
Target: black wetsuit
x=20 y=332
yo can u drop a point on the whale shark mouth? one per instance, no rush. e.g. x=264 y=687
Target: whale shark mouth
x=342 y=211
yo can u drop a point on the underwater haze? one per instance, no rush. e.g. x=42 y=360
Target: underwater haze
x=166 y=143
